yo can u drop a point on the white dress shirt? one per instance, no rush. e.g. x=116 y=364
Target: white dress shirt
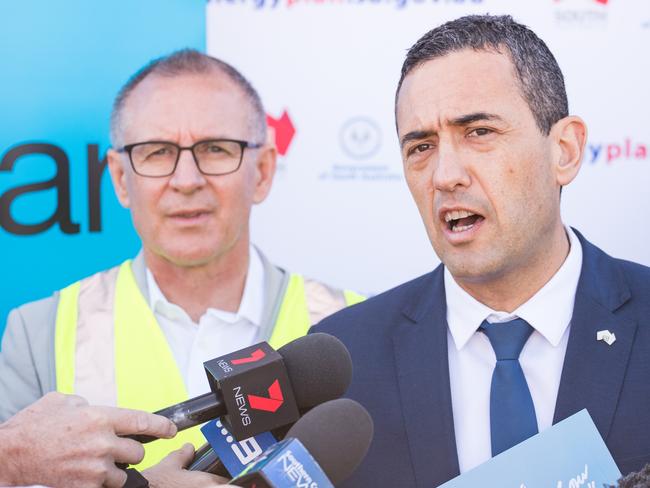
x=472 y=359
x=217 y=333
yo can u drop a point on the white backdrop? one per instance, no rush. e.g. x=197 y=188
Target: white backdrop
x=340 y=209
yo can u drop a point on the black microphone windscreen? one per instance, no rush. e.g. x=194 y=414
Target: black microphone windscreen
x=319 y=366
x=337 y=434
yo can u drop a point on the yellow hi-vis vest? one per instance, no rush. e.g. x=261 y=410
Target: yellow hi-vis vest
x=110 y=349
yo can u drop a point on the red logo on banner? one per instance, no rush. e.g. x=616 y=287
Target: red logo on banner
x=271 y=404
x=255 y=356
x=284 y=131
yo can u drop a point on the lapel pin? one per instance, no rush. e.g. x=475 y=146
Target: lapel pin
x=606 y=336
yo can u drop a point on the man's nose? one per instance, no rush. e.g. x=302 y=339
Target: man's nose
x=450 y=172
x=187 y=177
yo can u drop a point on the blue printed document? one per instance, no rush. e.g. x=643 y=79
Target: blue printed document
x=569 y=454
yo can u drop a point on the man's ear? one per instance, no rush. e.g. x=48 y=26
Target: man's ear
x=265 y=168
x=118 y=177
x=570 y=136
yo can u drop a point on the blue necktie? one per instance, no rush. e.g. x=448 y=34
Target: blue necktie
x=512 y=413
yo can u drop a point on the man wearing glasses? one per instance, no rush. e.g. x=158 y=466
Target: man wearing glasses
x=190 y=157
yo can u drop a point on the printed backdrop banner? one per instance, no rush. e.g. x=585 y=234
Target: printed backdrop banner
x=327 y=71
x=62 y=65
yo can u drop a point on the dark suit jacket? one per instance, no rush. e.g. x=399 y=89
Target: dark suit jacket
x=398 y=343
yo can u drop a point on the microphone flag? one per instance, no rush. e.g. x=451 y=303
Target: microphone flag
x=234 y=455
x=256 y=390
x=286 y=464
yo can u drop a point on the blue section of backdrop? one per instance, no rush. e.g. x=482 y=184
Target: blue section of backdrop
x=62 y=64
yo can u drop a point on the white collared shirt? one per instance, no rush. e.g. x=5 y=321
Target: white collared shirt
x=217 y=333
x=472 y=359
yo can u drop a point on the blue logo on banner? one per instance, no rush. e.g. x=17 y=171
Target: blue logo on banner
x=234 y=455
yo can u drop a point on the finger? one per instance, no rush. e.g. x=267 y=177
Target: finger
x=127 y=451
x=198 y=479
x=129 y=422
x=185 y=455
x=202 y=450
x=115 y=478
x=179 y=458
x=220 y=480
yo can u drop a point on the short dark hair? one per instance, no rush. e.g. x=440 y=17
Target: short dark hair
x=537 y=71
x=189 y=61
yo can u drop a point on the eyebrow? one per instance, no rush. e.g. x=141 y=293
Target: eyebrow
x=416 y=135
x=473 y=117
x=458 y=122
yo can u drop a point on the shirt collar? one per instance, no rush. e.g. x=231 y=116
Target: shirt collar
x=251 y=306
x=549 y=311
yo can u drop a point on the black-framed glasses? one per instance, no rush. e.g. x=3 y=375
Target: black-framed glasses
x=212 y=157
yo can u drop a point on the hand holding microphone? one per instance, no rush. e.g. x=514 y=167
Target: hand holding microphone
x=61 y=441
x=170 y=472
x=258 y=389
x=317 y=368
x=320 y=369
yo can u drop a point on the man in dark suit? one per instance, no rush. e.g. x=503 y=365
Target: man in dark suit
x=525 y=323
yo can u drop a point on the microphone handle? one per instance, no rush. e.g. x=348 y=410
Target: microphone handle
x=194 y=411
x=201 y=451
x=209 y=462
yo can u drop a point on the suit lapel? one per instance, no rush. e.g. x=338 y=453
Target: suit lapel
x=420 y=347
x=594 y=371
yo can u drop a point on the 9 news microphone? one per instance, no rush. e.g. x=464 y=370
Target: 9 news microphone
x=322 y=449
x=257 y=389
x=225 y=457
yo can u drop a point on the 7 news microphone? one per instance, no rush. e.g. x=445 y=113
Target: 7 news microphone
x=258 y=389
x=322 y=449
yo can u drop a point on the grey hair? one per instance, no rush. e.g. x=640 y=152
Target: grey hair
x=537 y=71
x=189 y=61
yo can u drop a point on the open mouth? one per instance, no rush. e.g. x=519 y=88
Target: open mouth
x=461 y=220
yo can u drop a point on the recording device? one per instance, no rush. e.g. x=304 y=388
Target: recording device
x=322 y=449
x=224 y=456
x=257 y=389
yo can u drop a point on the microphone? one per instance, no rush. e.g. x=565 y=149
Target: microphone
x=225 y=457
x=322 y=449
x=257 y=389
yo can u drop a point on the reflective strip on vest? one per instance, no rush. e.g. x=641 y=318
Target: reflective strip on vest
x=110 y=349
x=66 y=338
x=352 y=297
x=119 y=355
